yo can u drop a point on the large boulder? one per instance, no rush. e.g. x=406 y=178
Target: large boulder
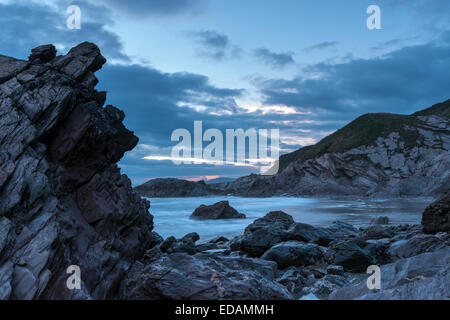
x=350 y=254
x=294 y=253
x=63 y=199
x=203 y=277
x=436 y=217
x=265 y=232
x=307 y=233
x=219 y=210
x=377 y=231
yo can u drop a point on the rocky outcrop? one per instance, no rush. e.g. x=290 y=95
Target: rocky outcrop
x=219 y=210
x=436 y=217
x=422 y=277
x=63 y=200
x=278 y=258
x=276 y=227
x=203 y=277
x=168 y=188
x=294 y=253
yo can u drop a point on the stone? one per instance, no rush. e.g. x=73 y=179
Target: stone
x=181 y=276
x=308 y=233
x=337 y=270
x=42 y=54
x=219 y=210
x=436 y=217
x=265 y=232
x=379 y=220
x=350 y=255
x=294 y=253
x=185 y=244
x=377 y=231
x=293 y=279
x=422 y=277
x=416 y=245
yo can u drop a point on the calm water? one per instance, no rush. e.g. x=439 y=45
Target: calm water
x=172 y=215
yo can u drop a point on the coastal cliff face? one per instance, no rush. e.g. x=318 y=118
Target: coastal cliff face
x=388 y=167
x=63 y=200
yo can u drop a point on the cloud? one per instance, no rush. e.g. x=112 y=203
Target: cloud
x=26 y=25
x=157 y=103
x=151 y=8
x=402 y=81
x=321 y=46
x=277 y=60
x=215 y=45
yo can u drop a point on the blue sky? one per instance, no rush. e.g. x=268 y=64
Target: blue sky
x=304 y=67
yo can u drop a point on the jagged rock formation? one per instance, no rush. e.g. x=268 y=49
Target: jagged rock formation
x=167 y=188
x=203 y=277
x=63 y=200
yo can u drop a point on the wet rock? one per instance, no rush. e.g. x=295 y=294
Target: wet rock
x=205 y=277
x=219 y=239
x=265 y=232
x=379 y=220
x=337 y=270
x=219 y=210
x=323 y=287
x=350 y=254
x=308 y=233
x=185 y=244
x=422 y=277
x=342 y=230
x=206 y=246
x=293 y=279
x=294 y=253
x=42 y=54
x=436 y=217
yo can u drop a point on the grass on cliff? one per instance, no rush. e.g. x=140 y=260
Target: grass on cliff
x=364 y=130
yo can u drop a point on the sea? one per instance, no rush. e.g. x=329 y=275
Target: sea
x=171 y=215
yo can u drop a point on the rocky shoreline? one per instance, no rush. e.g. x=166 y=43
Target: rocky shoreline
x=64 y=203
x=277 y=258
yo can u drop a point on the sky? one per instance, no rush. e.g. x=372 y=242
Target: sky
x=306 y=68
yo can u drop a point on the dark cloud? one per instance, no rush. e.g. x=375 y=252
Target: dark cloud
x=145 y=8
x=321 y=46
x=157 y=103
x=30 y=25
x=401 y=82
x=278 y=60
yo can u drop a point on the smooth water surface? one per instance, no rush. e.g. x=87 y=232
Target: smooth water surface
x=172 y=214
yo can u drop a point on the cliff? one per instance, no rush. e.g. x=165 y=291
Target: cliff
x=63 y=200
